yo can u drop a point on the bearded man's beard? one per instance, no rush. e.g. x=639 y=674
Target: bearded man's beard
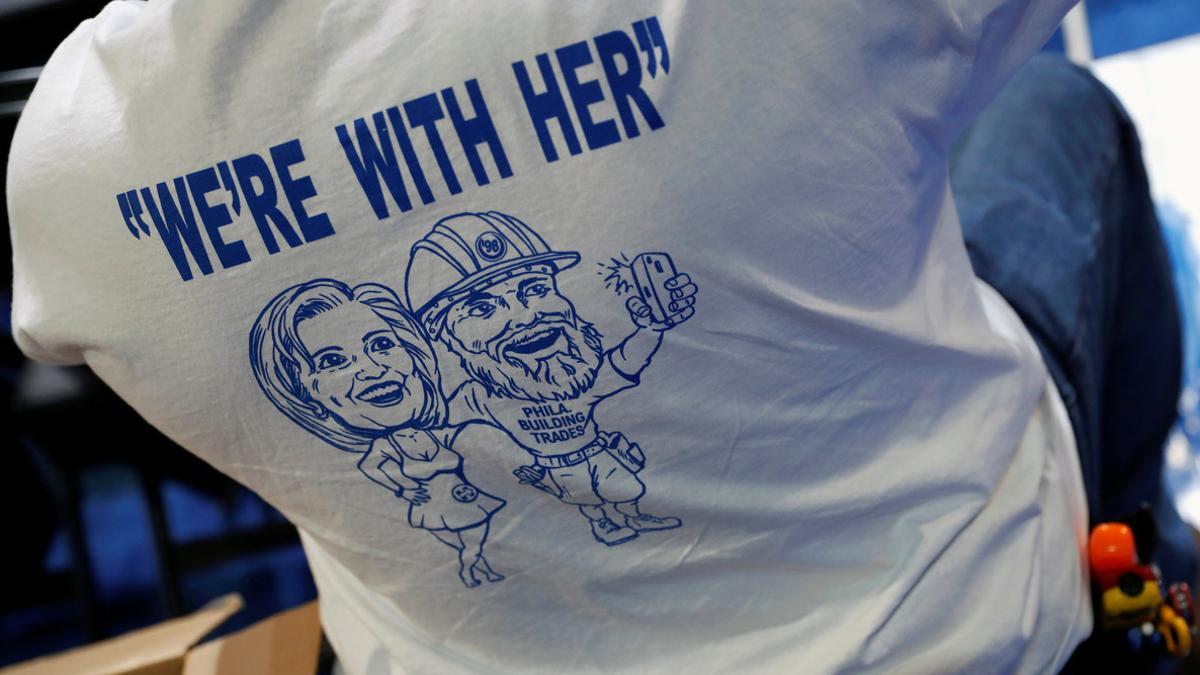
x=562 y=376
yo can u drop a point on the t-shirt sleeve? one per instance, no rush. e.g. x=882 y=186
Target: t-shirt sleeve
x=1002 y=35
x=875 y=94
x=939 y=63
x=610 y=380
x=61 y=277
x=46 y=280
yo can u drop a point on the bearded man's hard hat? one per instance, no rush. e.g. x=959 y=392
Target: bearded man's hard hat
x=469 y=252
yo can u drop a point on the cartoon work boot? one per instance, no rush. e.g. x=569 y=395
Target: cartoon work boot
x=648 y=523
x=609 y=533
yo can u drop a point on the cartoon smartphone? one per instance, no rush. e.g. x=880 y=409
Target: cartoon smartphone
x=651 y=272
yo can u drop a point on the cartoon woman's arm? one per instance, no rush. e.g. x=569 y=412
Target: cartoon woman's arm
x=387 y=472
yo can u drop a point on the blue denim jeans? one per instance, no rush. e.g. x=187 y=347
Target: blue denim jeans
x=1057 y=217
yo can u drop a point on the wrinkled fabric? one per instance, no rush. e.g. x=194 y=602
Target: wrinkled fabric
x=710 y=345
x=1063 y=184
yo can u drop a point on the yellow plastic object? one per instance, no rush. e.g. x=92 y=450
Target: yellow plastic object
x=1176 y=633
x=1129 y=610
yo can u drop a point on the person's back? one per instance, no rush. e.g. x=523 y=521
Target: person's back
x=573 y=339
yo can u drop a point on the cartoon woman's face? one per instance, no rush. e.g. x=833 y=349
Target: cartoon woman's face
x=362 y=373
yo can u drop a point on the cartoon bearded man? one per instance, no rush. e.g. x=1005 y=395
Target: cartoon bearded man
x=485 y=285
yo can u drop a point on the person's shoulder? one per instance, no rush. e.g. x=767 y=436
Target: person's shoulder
x=468 y=403
x=55 y=171
x=84 y=49
x=470 y=392
x=74 y=100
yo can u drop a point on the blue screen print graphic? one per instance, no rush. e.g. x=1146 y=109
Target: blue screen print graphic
x=355 y=367
x=486 y=286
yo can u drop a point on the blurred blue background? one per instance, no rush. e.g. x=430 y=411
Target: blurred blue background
x=141 y=532
x=1125 y=25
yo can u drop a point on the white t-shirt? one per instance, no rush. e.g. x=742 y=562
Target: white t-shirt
x=739 y=402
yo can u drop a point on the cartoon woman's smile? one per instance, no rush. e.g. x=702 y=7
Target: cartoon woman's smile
x=361 y=371
x=355 y=368
x=383 y=394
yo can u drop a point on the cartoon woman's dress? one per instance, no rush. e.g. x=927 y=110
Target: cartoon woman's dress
x=454 y=503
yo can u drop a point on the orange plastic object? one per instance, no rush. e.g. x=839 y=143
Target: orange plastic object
x=1176 y=633
x=1111 y=552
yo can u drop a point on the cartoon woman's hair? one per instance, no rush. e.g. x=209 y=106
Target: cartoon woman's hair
x=280 y=360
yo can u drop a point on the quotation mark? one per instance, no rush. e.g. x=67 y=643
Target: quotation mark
x=649 y=35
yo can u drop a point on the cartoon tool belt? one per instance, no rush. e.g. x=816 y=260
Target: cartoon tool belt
x=625 y=452
x=615 y=443
x=1131 y=595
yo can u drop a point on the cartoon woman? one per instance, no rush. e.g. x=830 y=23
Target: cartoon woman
x=353 y=367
